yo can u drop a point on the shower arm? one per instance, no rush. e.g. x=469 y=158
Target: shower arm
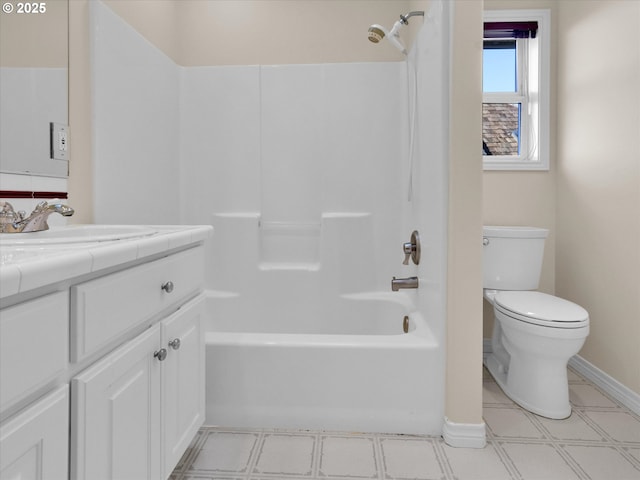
x=405 y=18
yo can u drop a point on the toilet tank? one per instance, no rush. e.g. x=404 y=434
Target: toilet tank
x=512 y=257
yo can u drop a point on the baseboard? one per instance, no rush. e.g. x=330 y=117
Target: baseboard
x=610 y=385
x=464 y=435
x=607 y=383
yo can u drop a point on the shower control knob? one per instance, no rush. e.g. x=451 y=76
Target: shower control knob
x=408 y=250
x=412 y=249
x=160 y=354
x=167 y=287
x=175 y=343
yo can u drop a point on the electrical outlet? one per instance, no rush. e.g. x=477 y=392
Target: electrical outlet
x=59 y=141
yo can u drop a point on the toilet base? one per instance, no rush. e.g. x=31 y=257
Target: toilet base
x=556 y=406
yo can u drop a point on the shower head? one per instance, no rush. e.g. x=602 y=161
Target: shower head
x=377 y=32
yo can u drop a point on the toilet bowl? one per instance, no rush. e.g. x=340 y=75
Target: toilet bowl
x=534 y=337
x=535 y=334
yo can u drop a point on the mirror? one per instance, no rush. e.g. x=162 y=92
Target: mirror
x=33 y=88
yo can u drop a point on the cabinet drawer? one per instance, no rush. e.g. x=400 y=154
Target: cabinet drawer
x=33 y=345
x=107 y=307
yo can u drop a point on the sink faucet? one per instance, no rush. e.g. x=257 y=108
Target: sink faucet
x=398 y=283
x=16 y=222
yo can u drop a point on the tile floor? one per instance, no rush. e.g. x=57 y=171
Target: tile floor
x=600 y=441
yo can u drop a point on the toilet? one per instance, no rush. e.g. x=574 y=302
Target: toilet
x=534 y=334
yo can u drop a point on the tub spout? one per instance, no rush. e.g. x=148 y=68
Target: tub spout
x=398 y=283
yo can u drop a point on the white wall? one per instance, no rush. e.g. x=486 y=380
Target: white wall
x=179 y=144
x=429 y=64
x=136 y=135
x=289 y=143
x=220 y=141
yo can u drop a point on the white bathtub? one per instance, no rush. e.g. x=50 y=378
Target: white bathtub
x=317 y=364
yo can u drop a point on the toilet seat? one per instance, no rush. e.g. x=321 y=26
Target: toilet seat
x=541 y=309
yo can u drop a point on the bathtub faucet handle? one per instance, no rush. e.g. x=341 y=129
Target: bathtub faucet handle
x=412 y=249
x=407 y=252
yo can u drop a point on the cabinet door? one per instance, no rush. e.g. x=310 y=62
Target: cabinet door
x=34 y=444
x=116 y=414
x=183 y=380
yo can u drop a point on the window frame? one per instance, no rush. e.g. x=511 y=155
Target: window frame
x=538 y=97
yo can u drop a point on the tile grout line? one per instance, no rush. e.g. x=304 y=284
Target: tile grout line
x=255 y=453
x=193 y=451
x=315 y=466
x=506 y=460
x=445 y=464
x=559 y=444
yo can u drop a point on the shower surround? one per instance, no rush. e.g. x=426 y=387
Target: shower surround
x=305 y=171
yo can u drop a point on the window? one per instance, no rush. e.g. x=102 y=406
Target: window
x=515 y=81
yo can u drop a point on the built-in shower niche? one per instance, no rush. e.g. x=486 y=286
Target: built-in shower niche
x=312 y=260
x=289 y=245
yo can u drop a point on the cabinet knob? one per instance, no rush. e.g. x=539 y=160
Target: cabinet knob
x=160 y=354
x=167 y=286
x=175 y=343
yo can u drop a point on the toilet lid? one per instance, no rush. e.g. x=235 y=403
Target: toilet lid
x=541 y=308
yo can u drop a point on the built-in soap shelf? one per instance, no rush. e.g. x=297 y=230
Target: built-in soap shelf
x=289 y=243
x=284 y=252
x=281 y=266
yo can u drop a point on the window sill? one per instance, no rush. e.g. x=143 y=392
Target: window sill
x=515 y=165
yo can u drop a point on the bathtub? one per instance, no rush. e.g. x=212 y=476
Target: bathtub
x=341 y=364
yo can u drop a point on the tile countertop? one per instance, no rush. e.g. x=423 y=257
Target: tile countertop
x=27 y=267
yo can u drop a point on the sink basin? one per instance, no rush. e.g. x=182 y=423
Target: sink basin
x=76 y=234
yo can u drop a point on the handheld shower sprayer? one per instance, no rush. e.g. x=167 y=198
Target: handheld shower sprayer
x=378 y=32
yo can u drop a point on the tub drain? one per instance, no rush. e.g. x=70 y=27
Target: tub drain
x=405 y=324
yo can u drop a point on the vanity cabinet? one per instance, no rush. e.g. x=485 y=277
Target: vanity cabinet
x=106 y=307
x=137 y=409
x=102 y=371
x=34 y=335
x=116 y=405
x=35 y=443
x=183 y=381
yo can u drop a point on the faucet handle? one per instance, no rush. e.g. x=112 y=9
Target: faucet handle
x=412 y=249
x=8 y=214
x=407 y=247
x=40 y=207
x=6 y=208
